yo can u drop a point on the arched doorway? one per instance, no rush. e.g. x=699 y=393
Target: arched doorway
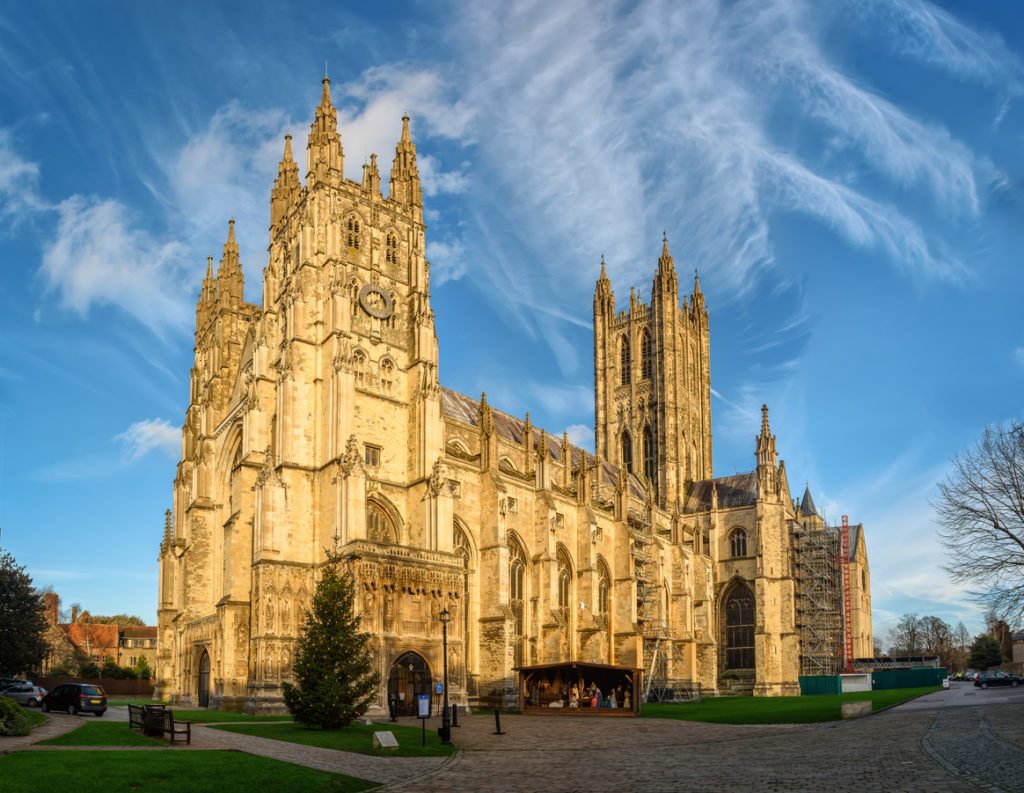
x=409 y=677
x=204 y=680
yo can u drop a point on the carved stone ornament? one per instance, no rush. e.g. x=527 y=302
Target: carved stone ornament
x=352 y=457
x=268 y=472
x=435 y=481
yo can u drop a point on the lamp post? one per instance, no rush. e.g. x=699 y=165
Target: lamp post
x=446 y=727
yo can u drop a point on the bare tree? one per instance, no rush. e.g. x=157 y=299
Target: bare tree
x=961 y=645
x=980 y=508
x=906 y=636
x=937 y=639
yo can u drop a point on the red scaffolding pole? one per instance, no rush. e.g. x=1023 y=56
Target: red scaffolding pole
x=844 y=565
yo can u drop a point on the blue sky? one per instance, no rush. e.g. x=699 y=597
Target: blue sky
x=847 y=178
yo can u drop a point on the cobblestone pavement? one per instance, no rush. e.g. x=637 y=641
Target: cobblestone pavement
x=962 y=741
x=874 y=755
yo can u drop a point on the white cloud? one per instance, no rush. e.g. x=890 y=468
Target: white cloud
x=447 y=260
x=1018 y=357
x=18 y=180
x=97 y=256
x=581 y=435
x=142 y=437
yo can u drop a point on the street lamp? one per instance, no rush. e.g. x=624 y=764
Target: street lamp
x=446 y=727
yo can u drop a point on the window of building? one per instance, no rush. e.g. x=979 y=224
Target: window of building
x=517 y=596
x=391 y=248
x=387 y=376
x=353 y=233
x=739 y=629
x=650 y=469
x=646 y=355
x=624 y=361
x=627 y=452
x=604 y=588
x=379 y=526
x=564 y=584
x=353 y=290
x=372 y=455
x=738 y=543
x=359 y=366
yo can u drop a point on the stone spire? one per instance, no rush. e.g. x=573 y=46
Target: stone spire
x=807 y=505
x=603 y=290
x=324 y=154
x=371 y=177
x=665 y=280
x=405 y=178
x=286 y=186
x=697 y=299
x=767 y=458
x=207 y=297
x=230 y=282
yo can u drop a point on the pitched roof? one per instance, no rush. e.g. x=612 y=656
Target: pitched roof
x=737 y=490
x=463 y=408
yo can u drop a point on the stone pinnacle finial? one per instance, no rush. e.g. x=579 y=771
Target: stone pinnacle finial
x=209 y=268
x=765 y=430
x=231 y=231
x=288 y=147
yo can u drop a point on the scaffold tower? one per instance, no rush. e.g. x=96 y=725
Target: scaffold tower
x=664 y=665
x=814 y=554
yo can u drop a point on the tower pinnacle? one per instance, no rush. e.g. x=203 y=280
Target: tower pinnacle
x=405 y=177
x=324 y=154
x=286 y=186
x=230 y=283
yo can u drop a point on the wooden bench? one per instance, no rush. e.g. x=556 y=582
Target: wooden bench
x=157 y=721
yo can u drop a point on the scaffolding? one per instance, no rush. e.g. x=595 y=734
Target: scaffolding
x=815 y=555
x=664 y=664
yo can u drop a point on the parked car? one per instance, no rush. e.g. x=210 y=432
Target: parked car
x=76 y=698
x=997 y=678
x=7 y=682
x=30 y=696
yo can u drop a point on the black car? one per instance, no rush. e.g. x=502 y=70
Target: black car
x=76 y=698
x=997 y=678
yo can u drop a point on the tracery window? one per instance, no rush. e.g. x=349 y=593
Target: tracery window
x=353 y=290
x=646 y=355
x=359 y=366
x=739 y=629
x=353 y=233
x=379 y=526
x=391 y=248
x=387 y=376
x=624 y=361
x=564 y=584
x=738 y=543
x=517 y=596
x=604 y=587
x=627 y=452
x=649 y=457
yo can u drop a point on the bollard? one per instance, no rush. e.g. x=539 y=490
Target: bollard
x=455 y=715
x=497 y=722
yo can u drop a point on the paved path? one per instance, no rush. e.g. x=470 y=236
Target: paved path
x=937 y=744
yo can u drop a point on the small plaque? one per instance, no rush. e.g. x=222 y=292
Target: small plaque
x=439 y=688
x=384 y=739
x=423 y=706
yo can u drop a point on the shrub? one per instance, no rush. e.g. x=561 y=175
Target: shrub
x=13 y=720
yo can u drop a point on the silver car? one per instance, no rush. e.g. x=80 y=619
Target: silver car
x=29 y=696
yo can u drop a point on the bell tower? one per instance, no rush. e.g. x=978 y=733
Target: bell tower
x=652 y=383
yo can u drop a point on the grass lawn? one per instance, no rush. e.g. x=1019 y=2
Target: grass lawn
x=777 y=710
x=212 y=716
x=357 y=737
x=122 y=702
x=103 y=734
x=198 y=771
x=34 y=716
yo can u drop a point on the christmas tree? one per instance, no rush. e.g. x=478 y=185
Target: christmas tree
x=334 y=677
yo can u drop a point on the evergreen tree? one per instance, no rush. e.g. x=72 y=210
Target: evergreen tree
x=334 y=677
x=985 y=652
x=22 y=621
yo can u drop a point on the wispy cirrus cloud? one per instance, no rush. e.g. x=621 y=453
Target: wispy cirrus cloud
x=149 y=435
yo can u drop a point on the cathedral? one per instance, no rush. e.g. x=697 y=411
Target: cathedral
x=317 y=432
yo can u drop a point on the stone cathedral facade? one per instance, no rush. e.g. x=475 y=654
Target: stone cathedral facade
x=317 y=425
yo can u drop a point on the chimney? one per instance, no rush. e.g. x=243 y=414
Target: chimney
x=74 y=613
x=51 y=603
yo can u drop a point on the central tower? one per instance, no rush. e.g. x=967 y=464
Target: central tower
x=652 y=383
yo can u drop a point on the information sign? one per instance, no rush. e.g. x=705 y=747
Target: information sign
x=423 y=706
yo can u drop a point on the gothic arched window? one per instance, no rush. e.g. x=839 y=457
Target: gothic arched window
x=517 y=595
x=379 y=527
x=649 y=456
x=604 y=588
x=624 y=361
x=391 y=248
x=359 y=366
x=353 y=290
x=646 y=355
x=739 y=629
x=738 y=543
x=564 y=583
x=627 y=452
x=387 y=376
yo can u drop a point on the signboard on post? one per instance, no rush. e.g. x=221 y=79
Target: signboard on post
x=423 y=712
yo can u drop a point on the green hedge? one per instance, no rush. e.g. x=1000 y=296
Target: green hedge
x=13 y=720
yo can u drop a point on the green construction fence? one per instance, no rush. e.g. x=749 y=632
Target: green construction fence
x=881 y=680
